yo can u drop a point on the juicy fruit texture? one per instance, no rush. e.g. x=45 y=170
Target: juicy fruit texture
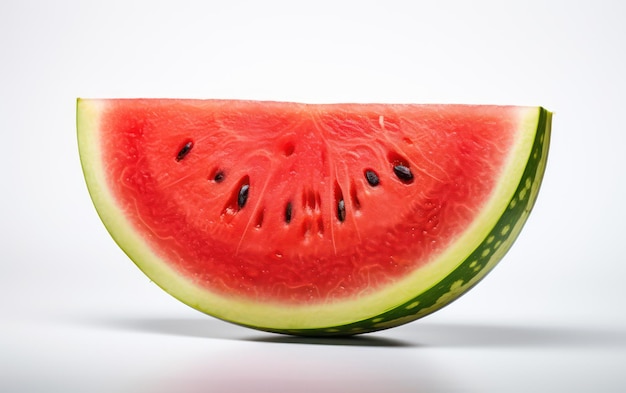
x=312 y=219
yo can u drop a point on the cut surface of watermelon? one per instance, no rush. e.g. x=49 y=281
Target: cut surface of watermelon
x=312 y=218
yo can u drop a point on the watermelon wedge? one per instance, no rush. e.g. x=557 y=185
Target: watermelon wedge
x=312 y=219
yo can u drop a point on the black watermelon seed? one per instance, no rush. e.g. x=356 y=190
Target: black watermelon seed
x=184 y=151
x=288 y=212
x=372 y=178
x=341 y=210
x=219 y=177
x=403 y=173
x=242 y=198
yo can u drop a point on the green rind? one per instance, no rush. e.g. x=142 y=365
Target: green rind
x=473 y=269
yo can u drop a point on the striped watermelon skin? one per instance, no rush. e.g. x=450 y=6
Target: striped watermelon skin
x=460 y=270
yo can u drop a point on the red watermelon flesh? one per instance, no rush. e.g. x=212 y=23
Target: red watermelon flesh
x=299 y=204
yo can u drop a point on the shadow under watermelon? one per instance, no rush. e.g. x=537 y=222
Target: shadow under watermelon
x=417 y=334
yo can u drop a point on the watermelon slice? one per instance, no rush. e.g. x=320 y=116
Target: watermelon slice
x=312 y=219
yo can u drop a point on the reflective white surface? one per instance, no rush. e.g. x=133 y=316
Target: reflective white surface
x=172 y=352
x=77 y=316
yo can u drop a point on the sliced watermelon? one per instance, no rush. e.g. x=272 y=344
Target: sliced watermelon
x=307 y=218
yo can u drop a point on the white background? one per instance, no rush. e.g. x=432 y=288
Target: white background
x=77 y=316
